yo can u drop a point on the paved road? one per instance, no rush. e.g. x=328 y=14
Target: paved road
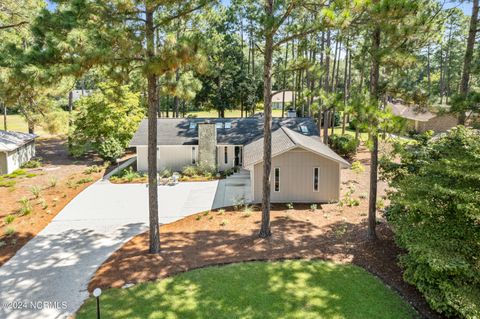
x=51 y=271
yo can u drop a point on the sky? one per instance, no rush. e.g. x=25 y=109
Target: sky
x=466 y=6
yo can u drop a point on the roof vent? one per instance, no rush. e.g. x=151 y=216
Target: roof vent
x=192 y=125
x=228 y=124
x=219 y=125
x=304 y=128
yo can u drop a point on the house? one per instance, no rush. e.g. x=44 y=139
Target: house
x=277 y=99
x=421 y=121
x=15 y=149
x=303 y=168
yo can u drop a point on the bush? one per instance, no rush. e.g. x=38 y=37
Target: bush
x=353 y=126
x=435 y=213
x=344 y=145
x=35 y=190
x=25 y=207
x=110 y=149
x=127 y=175
x=105 y=121
x=357 y=167
x=9 y=219
x=32 y=164
x=165 y=173
x=190 y=170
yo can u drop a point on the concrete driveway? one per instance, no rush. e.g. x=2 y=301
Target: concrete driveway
x=48 y=277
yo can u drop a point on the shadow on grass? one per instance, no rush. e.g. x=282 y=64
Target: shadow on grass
x=289 y=289
x=292 y=239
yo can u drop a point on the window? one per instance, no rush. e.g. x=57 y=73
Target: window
x=194 y=160
x=225 y=154
x=192 y=125
x=219 y=125
x=228 y=124
x=304 y=128
x=276 y=182
x=315 y=179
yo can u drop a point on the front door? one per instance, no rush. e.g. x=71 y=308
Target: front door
x=238 y=155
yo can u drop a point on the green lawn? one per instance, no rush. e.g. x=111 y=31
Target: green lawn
x=17 y=123
x=263 y=290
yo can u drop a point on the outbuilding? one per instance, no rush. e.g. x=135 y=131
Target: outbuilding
x=15 y=149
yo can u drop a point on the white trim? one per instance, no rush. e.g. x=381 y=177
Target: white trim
x=279 y=179
x=346 y=164
x=318 y=180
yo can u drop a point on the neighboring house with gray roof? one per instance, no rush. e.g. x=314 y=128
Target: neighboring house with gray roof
x=15 y=149
x=303 y=168
x=423 y=120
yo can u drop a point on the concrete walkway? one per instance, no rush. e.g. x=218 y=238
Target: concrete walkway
x=48 y=277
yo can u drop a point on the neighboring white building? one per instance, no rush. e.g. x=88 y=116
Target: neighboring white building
x=277 y=99
x=15 y=149
x=78 y=94
x=303 y=168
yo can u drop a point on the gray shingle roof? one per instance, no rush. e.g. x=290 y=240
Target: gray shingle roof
x=410 y=113
x=243 y=130
x=10 y=141
x=286 y=139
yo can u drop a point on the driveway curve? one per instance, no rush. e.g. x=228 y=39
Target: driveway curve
x=48 y=277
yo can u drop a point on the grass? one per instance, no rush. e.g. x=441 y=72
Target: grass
x=17 y=123
x=267 y=290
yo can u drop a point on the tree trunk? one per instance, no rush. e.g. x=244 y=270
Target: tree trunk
x=267 y=136
x=374 y=78
x=334 y=62
x=70 y=108
x=345 y=86
x=326 y=120
x=4 y=116
x=441 y=75
x=327 y=65
x=152 y=138
x=429 y=80
x=31 y=127
x=467 y=61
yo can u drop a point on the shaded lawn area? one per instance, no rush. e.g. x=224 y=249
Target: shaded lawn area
x=287 y=289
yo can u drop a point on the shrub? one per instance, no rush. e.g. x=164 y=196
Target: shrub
x=9 y=231
x=127 y=175
x=190 y=170
x=7 y=182
x=165 y=173
x=344 y=145
x=9 y=219
x=35 y=190
x=84 y=180
x=25 y=207
x=110 y=149
x=92 y=169
x=357 y=167
x=289 y=206
x=52 y=182
x=435 y=213
x=32 y=164
x=313 y=207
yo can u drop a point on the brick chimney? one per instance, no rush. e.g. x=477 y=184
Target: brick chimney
x=207 y=144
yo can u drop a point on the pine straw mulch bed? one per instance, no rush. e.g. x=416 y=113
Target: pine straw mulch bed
x=222 y=237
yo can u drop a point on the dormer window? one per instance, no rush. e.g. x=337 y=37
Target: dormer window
x=228 y=124
x=219 y=125
x=304 y=128
x=192 y=125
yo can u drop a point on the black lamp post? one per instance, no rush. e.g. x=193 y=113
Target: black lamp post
x=96 y=293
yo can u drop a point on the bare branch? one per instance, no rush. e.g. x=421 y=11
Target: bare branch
x=8 y=26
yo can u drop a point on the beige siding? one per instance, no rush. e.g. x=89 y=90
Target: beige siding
x=438 y=124
x=172 y=157
x=296 y=178
x=221 y=157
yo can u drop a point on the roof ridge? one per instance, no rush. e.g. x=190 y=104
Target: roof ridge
x=284 y=129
